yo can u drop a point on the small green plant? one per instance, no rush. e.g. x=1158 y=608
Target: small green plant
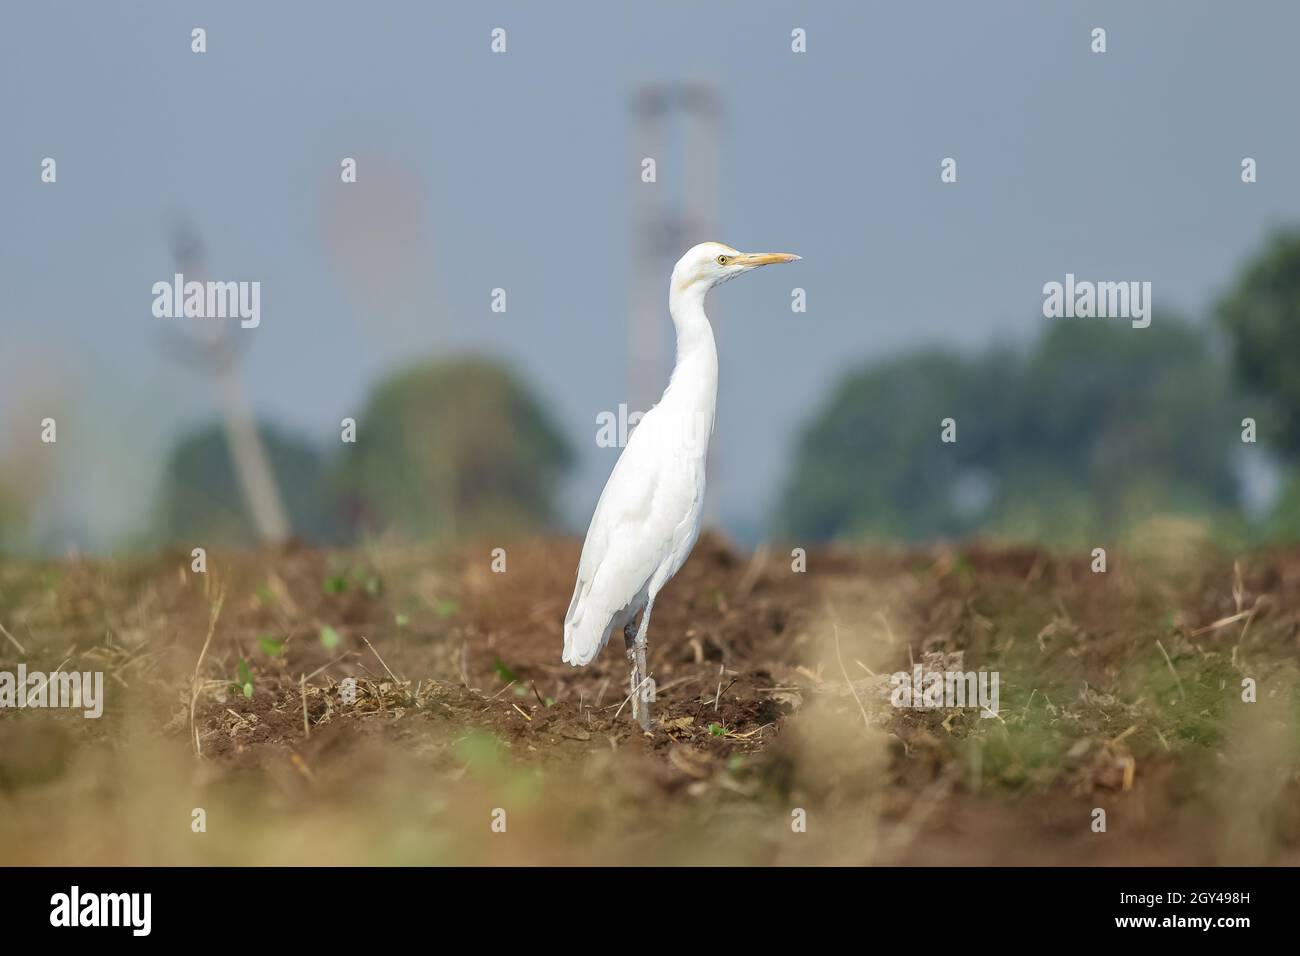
x=245 y=682
x=270 y=645
x=502 y=671
x=367 y=580
x=329 y=638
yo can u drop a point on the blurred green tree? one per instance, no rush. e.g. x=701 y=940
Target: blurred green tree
x=1261 y=314
x=872 y=464
x=452 y=447
x=1283 y=523
x=13 y=516
x=201 y=500
x=1099 y=426
x=1117 y=424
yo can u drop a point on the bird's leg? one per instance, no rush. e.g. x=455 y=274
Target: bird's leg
x=640 y=673
x=629 y=640
x=640 y=676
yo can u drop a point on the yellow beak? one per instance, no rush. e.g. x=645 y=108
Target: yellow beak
x=764 y=258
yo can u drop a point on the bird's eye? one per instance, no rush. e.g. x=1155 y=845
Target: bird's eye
x=722 y=260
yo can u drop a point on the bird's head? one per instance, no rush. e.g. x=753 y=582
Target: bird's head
x=712 y=263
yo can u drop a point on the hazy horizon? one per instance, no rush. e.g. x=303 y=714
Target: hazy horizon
x=516 y=170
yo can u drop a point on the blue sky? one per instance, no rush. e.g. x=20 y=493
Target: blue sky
x=517 y=170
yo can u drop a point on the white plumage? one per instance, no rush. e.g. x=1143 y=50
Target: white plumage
x=648 y=516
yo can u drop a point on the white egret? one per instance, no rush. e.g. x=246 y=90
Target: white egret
x=648 y=516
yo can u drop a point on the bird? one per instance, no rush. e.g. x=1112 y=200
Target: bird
x=648 y=517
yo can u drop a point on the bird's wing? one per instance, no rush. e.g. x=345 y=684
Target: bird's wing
x=632 y=533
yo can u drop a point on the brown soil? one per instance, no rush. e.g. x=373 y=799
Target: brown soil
x=772 y=702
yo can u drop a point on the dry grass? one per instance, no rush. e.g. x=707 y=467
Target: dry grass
x=1121 y=691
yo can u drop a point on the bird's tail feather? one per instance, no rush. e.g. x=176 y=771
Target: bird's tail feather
x=586 y=631
x=583 y=640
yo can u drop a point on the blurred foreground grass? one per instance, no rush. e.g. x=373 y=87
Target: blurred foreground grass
x=1121 y=691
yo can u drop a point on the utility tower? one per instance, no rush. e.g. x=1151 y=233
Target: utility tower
x=214 y=349
x=676 y=125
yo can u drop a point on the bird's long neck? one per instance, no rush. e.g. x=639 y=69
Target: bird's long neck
x=693 y=387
